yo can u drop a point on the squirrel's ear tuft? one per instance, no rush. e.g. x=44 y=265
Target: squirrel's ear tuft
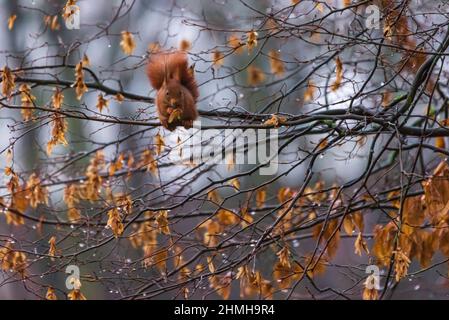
x=191 y=70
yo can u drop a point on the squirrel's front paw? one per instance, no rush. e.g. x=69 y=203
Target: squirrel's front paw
x=187 y=123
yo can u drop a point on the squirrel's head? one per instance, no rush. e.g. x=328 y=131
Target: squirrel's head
x=173 y=93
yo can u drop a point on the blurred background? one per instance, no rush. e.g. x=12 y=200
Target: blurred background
x=234 y=77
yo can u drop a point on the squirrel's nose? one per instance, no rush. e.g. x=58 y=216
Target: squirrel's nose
x=172 y=102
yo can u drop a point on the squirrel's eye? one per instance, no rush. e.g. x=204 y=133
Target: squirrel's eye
x=167 y=93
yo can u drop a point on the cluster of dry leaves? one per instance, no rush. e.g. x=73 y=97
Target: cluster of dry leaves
x=419 y=226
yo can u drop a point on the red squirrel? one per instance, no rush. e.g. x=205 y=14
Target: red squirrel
x=177 y=91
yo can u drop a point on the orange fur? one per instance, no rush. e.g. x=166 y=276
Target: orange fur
x=176 y=87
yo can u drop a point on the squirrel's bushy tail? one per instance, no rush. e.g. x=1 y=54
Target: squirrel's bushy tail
x=172 y=65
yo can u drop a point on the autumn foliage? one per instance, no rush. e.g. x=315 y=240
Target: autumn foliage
x=97 y=172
